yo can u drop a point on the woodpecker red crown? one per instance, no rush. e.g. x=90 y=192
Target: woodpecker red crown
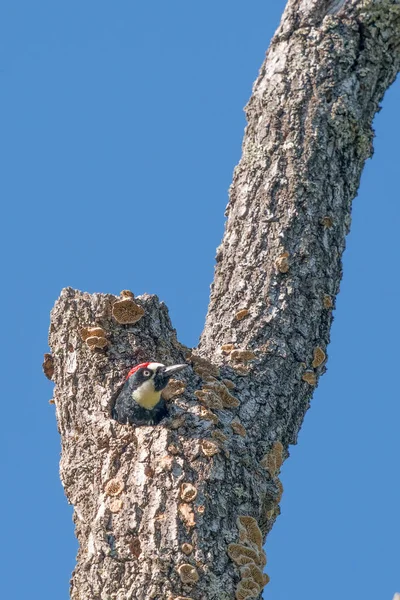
x=137 y=367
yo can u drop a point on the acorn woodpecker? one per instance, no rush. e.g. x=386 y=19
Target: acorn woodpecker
x=139 y=401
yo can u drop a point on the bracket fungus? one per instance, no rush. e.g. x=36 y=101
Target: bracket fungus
x=219 y=388
x=116 y=505
x=319 y=357
x=282 y=262
x=203 y=367
x=227 y=348
x=255 y=573
x=48 y=366
x=219 y=436
x=187 y=548
x=209 y=448
x=209 y=399
x=280 y=490
x=327 y=222
x=126 y=311
x=207 y=415
x=127 y=294
x=272 y=461
x=174 y=388
x=188 y=492
x=249 y=531
x=241 y=555
x=229 y=384
x=238 y=428
x=114 y=487
x=241 y=314
x=250 y=557
x=247 y=588
x=94 y=342
x=94 y=337
x=327 y=301
x=87 y=332
x=188 y=573
x=242 y=356
x=309 y=377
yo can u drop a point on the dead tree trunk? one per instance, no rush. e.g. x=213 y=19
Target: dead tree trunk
x=181 y=510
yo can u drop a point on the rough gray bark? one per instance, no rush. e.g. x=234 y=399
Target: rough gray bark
x=181 y=510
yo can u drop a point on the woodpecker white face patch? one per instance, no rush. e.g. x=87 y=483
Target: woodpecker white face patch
x=153 y=366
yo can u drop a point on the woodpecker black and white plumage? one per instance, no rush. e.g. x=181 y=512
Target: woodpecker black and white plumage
x=139 y=401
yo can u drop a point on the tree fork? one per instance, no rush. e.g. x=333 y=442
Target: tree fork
x=181 y=510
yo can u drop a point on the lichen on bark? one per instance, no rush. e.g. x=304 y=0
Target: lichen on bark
x=141 y=534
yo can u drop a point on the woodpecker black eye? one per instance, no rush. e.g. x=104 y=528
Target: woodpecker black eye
x=146 y=373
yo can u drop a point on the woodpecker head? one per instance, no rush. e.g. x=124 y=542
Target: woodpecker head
x=147 y=380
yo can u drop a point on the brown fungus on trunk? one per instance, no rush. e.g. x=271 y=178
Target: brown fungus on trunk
x=188 y=492
x=48 y=366
x=319 y=357
x=114 y=487
x=188 y=573
x=127 y=311
x=310 y=377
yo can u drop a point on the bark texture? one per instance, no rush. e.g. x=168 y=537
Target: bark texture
x=181 y=510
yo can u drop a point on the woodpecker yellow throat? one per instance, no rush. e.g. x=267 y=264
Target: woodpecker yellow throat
x=146 y=395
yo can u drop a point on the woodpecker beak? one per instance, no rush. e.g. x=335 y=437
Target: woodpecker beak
x=164 y=374
x=174 y=369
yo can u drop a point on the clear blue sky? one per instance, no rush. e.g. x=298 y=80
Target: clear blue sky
x=121 y=123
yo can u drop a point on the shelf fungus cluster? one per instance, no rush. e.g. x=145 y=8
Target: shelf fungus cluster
x=207 y=415
x=174 y=388
x=94 y=337
x=215 y=395
x=319 y=357
x=188 y=493
x=242 y=356
x=203 y=367
x=126 y=311
x=273 y=461
x=250 y=557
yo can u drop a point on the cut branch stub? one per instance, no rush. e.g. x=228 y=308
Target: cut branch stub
x=136 y=490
